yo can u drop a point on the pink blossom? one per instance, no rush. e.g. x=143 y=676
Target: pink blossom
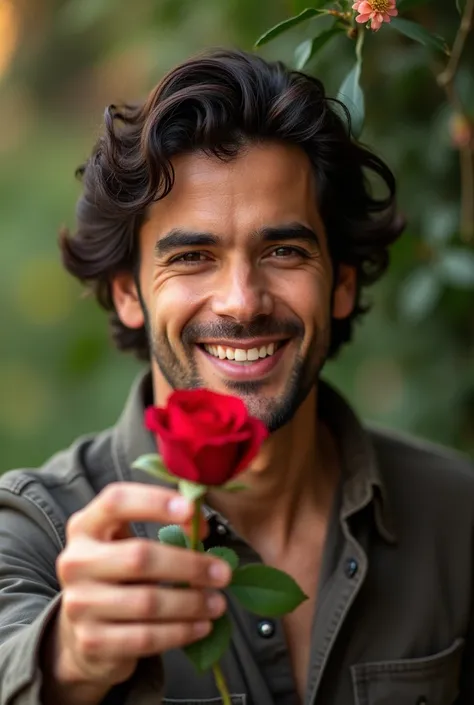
x=375 y=11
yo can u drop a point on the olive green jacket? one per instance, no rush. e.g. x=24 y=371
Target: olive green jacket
x=394 y=617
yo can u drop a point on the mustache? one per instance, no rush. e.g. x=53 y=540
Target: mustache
x=265 y=326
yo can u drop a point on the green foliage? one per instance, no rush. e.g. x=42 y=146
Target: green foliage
x=418 y=33
x=153 y=465
x=308 y=49
x=266 y=591
x=350 y=93
x=173 y=535
x=420 y=293
x=286 y=25
x=191 y=490
x=226 y=554
x=208 y=651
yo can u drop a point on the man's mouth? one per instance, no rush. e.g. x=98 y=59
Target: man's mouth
x=243 y=355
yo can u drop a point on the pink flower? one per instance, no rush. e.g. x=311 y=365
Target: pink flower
x=375 y=11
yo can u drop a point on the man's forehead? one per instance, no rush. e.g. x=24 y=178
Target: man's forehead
x=263 y=185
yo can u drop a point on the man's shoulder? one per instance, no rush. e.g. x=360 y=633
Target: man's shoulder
x=422 y=472
x=65 y=483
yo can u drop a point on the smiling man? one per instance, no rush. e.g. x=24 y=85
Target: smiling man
x=229 y=228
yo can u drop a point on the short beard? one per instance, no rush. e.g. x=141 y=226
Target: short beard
x=274 y=412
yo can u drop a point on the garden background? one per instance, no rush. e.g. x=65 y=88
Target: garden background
x=411 y=366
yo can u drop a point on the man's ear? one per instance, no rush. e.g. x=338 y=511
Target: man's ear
x=344 y=291
x=127 y=300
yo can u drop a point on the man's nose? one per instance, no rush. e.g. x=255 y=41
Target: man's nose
x=242 y=295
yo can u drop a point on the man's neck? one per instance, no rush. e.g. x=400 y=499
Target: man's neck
x=291 y=485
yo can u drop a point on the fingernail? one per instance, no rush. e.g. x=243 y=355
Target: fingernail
x=201 y=628
x=179 y=506
x=219 y=571
x=215 y=604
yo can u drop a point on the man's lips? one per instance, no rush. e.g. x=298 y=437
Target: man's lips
x=246 y=344
x=250 y=369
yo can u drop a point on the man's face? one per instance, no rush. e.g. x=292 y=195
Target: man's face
x=236 y=280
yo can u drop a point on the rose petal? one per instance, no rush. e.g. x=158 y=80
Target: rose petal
x=365 y=7
x=362 y=19
x=258 y=434
x=216 y=464
x=155 y=418
x=178 y=458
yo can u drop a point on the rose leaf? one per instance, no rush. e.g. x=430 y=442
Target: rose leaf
x=266 y=591
x=208 y=651
x=172 y=535
x=225 y=554
x=234 y=487
x=191 y=490
x=153 y=465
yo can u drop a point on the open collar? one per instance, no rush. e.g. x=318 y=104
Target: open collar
x=361 y=477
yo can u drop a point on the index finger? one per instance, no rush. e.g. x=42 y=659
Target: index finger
x=123 y=502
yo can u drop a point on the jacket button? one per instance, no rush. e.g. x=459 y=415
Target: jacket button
x=266 y=629
x=351 y=567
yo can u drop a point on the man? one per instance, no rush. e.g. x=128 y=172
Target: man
x=231 y=214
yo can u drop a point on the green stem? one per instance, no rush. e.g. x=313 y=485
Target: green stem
x=360 y=43
x=195 y=525
x=221 y=684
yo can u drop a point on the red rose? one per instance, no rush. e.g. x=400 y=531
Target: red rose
x=205 y=437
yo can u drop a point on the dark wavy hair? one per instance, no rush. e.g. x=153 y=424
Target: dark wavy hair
x=220 y=102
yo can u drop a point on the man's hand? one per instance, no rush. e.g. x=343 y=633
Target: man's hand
x=119 y=603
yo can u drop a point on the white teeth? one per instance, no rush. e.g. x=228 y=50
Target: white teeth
x=252 y=354
x=239 y=354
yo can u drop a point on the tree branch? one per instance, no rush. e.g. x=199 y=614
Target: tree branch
x=446 y=80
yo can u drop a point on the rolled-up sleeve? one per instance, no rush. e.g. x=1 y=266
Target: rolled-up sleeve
x=29 y=600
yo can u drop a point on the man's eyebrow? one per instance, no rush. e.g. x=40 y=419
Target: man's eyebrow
x=289 y=231
x=178 y=238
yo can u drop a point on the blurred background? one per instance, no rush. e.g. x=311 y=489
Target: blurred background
x=411 y=364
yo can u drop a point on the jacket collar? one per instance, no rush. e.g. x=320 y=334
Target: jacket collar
x=362 y=480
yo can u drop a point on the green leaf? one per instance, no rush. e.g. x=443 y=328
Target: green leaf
x=234 y=487
x=305 y=51
x=200 y=545
x=153 y=465
x=191 y=490
x=266 y=591
x=302 y=54
x=420 y=293
x=418 y=33
x=456 y=267
x=287 y=24
x=173 y=535
x=205 y=653
x=460 y=5
x=226 y=554
x=351 y=94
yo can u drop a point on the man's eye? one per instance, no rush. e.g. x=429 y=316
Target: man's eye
x=287 y=252
x=190 y=257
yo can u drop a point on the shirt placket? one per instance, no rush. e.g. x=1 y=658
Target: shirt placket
x=334 y=604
